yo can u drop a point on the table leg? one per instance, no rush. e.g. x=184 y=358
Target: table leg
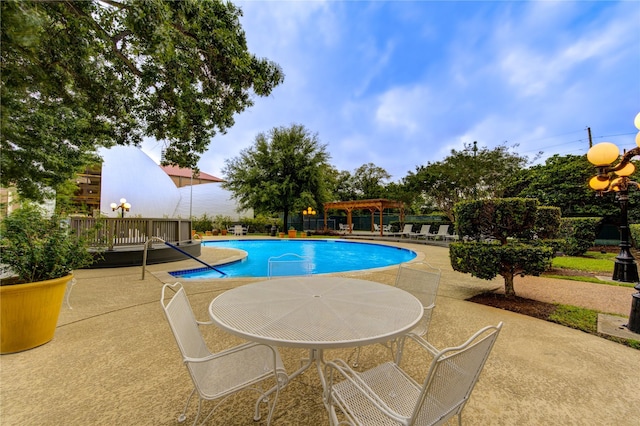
x=315 y=357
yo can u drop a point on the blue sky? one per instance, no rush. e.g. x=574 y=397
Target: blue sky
x=401 y=83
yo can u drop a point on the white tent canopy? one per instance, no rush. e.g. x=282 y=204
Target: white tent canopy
x=129 y=173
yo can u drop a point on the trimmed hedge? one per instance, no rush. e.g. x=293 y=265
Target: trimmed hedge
x=499 y=218
x=578 y=234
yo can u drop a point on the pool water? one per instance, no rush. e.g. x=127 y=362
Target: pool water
x=326 y=256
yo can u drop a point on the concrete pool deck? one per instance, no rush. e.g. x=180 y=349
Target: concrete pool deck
x=113 y=359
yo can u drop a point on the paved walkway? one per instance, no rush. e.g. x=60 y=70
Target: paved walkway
x=113 y=359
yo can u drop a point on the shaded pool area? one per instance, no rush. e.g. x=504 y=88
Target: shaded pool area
x=327 y=256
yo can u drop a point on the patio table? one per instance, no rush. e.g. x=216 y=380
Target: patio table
x=316 y=313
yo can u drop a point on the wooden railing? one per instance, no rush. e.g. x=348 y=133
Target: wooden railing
x=112 y=232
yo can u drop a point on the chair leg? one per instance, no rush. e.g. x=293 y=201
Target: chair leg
x=67 y=292
x=183 y=416
x=271 y=406
x=399 y=348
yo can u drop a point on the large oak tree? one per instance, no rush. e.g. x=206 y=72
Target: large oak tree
x=77 y=75
x=284 y=171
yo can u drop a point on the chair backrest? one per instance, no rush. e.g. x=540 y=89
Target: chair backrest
x=183 y=322
x=443 y=230
x=422 y=281
x=289 y=264
x=424 y=229
x=407 y=228
x=452 y=377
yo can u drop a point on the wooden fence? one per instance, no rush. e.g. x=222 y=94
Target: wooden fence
x=117 y=232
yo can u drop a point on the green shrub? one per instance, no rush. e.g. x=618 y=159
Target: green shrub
x=548 y=222
x=36 y=247
x=260 y=223
x=579 y=234
x=488 y=260
x=202 y=224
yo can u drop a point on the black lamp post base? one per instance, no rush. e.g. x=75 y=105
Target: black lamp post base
x=634 y=316
x=626 y=272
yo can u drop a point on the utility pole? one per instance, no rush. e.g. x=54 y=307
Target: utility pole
x=590 y=139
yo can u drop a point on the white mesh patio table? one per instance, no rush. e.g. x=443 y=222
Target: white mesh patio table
x=316 y=313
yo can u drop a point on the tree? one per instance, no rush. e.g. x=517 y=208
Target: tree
x=501 y=219
x=77 y=75
x=339 y=184
x=369 y=181
x=282 y=172
x=563 y=182
x=470 y=174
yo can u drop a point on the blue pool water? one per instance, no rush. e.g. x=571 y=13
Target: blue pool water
x=326 y=256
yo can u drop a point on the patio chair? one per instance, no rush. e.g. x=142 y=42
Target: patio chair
x=443 y=231
x=288 y=265
x=407 y=230
x=424 y=231
x=218 y=376
x=344 y=227
x=385 y=228
x=387 y=395
x=422 y=281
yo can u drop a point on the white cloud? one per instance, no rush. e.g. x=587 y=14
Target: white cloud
x=402 y=108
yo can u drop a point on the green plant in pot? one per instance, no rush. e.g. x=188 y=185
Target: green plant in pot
x=38 y=255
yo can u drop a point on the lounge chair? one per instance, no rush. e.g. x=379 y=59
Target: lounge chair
x=442 y=233
x=424 y=231
x=406 y=232
x=452 y=237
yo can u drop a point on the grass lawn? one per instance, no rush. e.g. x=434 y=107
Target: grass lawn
x=592 y=261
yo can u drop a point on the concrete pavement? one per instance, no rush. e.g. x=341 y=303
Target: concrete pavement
x=113 y=359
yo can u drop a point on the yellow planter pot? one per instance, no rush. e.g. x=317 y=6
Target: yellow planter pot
x=292 y=233
x=29 y=313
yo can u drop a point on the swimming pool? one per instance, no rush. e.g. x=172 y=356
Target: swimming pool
x=327 y=256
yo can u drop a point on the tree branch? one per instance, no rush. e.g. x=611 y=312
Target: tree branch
x=105 y=35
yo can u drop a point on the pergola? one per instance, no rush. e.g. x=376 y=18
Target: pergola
x=377 y=205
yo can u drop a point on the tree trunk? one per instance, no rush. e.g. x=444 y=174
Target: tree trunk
x=509 y=291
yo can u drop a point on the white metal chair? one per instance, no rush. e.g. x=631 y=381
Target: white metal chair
x=218 y=376
x=289 y=265
x=386 y=229
x=422 y=281
x=387 y=395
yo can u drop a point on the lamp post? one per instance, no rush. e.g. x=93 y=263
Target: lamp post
x=124 y=206
x=615 y=178
x=308 y=213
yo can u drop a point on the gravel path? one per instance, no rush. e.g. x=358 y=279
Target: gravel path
x=611 y=299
